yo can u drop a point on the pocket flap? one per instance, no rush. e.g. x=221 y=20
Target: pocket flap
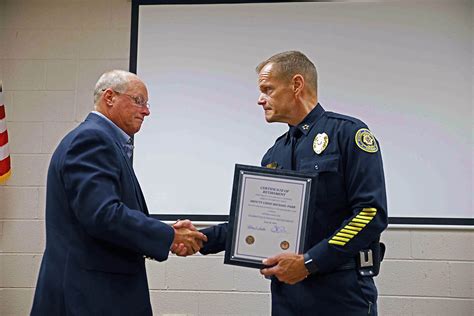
x=320 y=164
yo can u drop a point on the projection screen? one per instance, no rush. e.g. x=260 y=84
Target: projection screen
x=403 y=67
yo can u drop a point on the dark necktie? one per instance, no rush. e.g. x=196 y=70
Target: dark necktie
x=295 y=134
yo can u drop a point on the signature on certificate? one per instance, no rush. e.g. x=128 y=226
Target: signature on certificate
x=253 y=227
x=279 y=229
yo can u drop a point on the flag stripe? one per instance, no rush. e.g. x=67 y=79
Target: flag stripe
x=3 y=138
x=4 y=152
x=4 y=165
x=5 y=176
x=3 y=125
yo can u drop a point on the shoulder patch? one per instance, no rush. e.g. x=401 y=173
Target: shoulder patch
x=366 y=141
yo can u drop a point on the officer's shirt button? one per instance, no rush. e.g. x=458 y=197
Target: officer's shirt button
x=316 y=167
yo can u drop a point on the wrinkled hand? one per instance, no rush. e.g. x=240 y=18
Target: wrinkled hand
x=187 y=240
x=287 y=267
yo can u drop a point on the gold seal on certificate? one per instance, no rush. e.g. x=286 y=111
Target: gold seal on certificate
x=249 y=239
x=268 y=215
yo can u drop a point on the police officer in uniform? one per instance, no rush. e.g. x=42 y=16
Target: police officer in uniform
x=334 y=276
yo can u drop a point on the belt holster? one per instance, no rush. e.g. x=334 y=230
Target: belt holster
x=368 y=260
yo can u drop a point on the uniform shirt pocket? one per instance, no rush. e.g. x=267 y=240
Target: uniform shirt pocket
x=330 y=178
x=328 y=163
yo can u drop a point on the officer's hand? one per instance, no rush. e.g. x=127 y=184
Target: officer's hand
x=287 y=267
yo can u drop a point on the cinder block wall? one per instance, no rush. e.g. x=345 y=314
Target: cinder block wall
x=51 y=54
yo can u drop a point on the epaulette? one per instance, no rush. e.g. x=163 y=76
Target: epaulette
x=281 y=136
x=271 y=149
x=345 y=118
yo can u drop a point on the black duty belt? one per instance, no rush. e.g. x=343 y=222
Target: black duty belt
x=351 y=264
x=367 y=262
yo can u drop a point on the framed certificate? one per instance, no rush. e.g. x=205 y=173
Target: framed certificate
x=268 y=215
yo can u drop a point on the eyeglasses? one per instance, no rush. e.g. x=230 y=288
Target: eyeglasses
x=137 y=101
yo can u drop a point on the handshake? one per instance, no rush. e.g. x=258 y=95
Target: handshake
x=187 y=240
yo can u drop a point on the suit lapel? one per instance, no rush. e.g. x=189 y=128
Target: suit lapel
x=101 y=124
x=136 y=185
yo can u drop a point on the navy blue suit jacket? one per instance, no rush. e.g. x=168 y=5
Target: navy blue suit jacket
x=97 y=229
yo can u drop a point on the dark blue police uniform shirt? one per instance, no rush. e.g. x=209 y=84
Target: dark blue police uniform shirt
x=349 y=214
x=351 y=205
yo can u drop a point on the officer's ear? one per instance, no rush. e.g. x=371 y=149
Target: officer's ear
x=298 y=84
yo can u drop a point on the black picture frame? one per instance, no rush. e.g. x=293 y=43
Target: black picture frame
x=238 y=189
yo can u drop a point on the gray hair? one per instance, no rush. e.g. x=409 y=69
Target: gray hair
x=115 y=79
x=290 y=63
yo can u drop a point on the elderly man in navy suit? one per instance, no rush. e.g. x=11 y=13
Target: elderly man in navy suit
x=98 y=229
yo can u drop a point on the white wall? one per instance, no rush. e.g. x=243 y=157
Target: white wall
x=51 y=54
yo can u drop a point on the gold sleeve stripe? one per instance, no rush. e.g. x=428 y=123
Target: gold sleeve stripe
x=340 y=238
x=344 y=235
x=358 y=229
x=357 y=224
x=358 y=220
x=369 y=218
x=334 y=242
x=347 y=231
x=341 y=234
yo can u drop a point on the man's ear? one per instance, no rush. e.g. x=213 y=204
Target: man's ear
x=298 y=84
x=108 y=95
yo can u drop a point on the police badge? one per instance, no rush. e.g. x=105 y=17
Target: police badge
x=320 y=143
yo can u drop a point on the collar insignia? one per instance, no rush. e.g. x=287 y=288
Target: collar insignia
x=272 y=165
x=320 y=143
x=365 y=140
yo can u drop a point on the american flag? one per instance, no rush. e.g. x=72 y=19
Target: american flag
x=5 y=168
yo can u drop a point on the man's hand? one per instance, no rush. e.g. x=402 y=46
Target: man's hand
x=187 y=240
x=287 y=267
x=184 y=223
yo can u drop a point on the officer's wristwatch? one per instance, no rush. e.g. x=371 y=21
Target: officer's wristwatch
x=310 y=264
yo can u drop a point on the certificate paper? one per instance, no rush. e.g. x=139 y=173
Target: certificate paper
x=269 y=213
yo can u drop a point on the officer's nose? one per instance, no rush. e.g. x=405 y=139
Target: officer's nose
x=261 y=99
